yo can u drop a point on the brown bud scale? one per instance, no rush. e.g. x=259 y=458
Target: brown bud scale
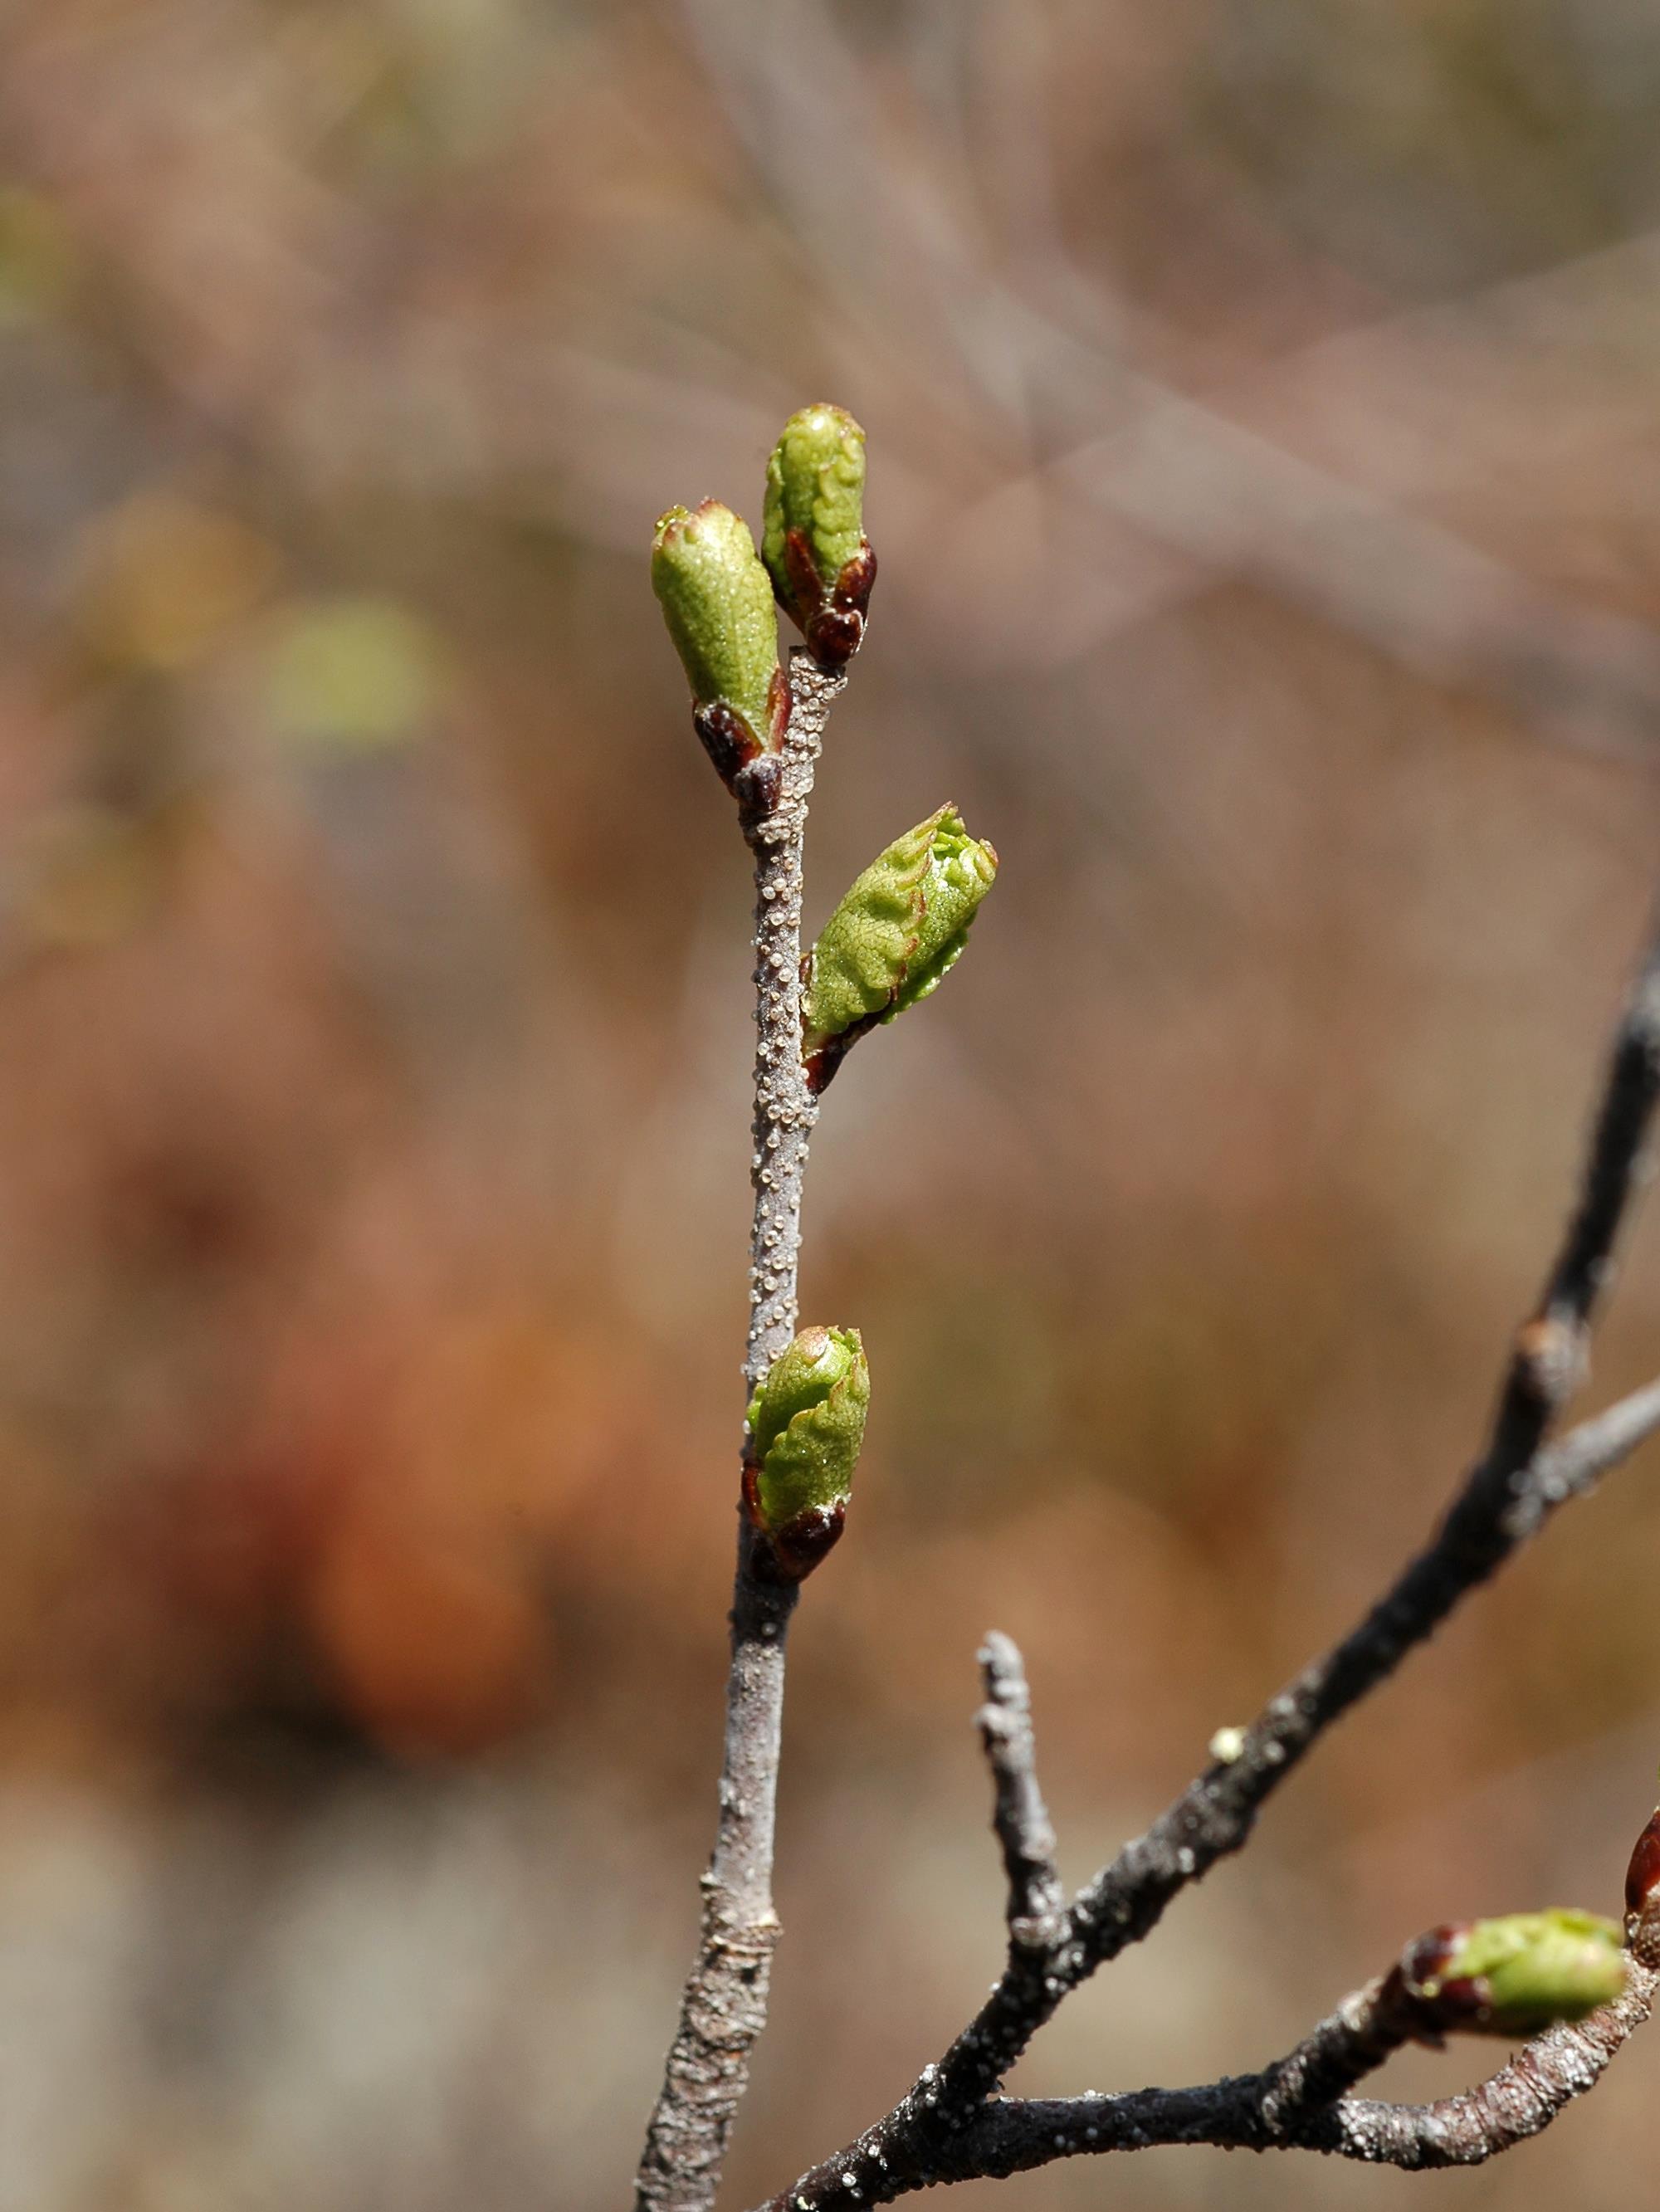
x=789 y=1554
x=750 y=769
x=1642 y=1874
x=832 y=622
x=820 y=1066
x=728 y=739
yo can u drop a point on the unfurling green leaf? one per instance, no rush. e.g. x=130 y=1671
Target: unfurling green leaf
x=816 y=488
x=1518 y=1975
x=717 y=601
x=806 y=1422
x=902 y=925
x=352 y=674
x=812 y=533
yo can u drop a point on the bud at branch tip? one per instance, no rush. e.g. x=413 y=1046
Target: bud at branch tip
x=812 y=532
x=717 y=601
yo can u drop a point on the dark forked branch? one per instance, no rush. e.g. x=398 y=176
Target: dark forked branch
x=1513 y=1489
x=1520 y=2100
x=1298 y=2102
x=1250 y=2111
x=1364 y=2032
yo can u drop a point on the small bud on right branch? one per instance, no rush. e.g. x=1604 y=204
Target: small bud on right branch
x=812 y=532
x=1516 y=1976
x=900 y=928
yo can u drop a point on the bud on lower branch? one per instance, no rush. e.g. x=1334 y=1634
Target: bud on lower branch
x=717 y=602
x=812 y=532
x=902 y=926
x=806 y=1422
x=1516 y=1976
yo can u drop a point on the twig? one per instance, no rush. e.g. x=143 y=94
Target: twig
x=1573 y=1466
x=1520 y=2099
x=889 y=2159
x=723 y=2004
x=1215 y=1814
x=784 y=1109
x=1507 y=1496
x=1249 y=2111
x=1036 y=1900
x=1362 y=2035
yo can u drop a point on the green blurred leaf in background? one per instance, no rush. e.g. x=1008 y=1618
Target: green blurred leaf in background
x=351 y=674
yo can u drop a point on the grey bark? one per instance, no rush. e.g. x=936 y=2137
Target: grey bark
x=723 y=2004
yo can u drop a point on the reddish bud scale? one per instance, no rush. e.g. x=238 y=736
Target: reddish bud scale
x=820 y=1064
x=832 y=622
x=1441 y=2008
x=789 y=1554
x=746 y=763
x=1441 y=2005
x=1642 y=1874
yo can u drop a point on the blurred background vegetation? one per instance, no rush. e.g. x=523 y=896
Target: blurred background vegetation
x=1266 y=477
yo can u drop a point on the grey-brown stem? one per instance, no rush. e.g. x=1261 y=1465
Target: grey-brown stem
x=1364 y=2032
x=785 y=1110
x=724 y=2005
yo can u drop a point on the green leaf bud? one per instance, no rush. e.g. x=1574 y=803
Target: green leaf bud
x=806 y=1422
x=902 y=925
x=813 y=530
x=717 y=601
x=1516 y=1976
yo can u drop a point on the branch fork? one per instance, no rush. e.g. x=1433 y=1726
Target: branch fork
x=896 y=932
x=955 y=2124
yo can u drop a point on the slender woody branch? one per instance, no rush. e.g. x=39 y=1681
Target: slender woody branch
x=1298 y=2103
x=1508 y=1495
x=896 y=2156
x=1520 y=2100
x=1362 y=2035
x=723 y=2004
x=1251 y=2111
x=784 y=1109
x=1573 y=1466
